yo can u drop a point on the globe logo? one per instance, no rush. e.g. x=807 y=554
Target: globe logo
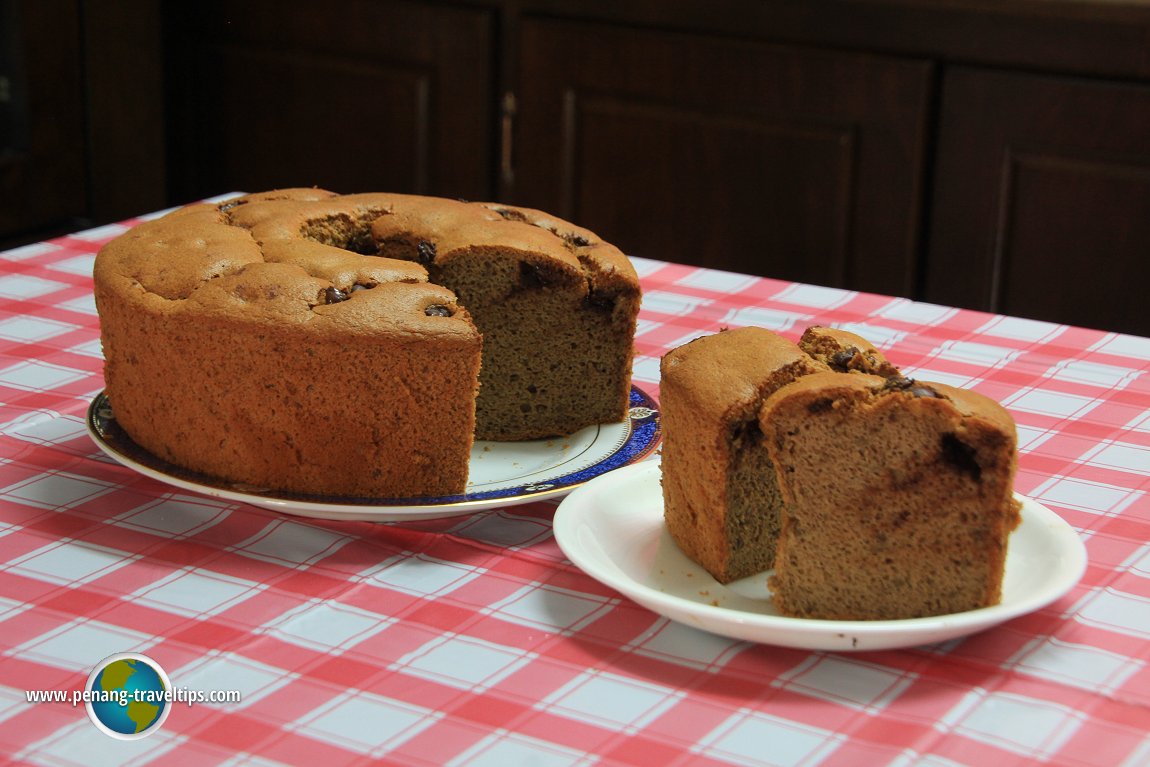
x=128 y=696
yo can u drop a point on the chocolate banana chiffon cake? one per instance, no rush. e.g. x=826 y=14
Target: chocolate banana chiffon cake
x=866 y=494
x=897 y=497
x=721 y=501
x=355 y=345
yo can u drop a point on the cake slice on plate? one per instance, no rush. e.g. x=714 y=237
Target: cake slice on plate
x=721 y=503
x=897 y=497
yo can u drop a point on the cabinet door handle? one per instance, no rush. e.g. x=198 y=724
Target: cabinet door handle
x=506 y=134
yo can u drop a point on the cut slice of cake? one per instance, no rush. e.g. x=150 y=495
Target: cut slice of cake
x=716 y=506
x=897 y=497
x=721 y=502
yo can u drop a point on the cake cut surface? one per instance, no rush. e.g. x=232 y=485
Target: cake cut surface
x=309 y=342
x=897 y=497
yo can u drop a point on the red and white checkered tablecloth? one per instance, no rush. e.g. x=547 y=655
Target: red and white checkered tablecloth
x=471 y=640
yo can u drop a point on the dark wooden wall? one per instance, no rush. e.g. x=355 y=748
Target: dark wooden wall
x=992 y=155
x=82 y=120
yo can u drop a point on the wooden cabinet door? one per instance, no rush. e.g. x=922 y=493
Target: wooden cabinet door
x=350 y=95
x=42 y=162
x=793 y=163
x=1042 y=199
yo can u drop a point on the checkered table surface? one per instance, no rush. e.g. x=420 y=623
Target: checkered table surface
x=472 y=640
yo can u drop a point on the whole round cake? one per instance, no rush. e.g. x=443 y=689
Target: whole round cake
x=355 y=345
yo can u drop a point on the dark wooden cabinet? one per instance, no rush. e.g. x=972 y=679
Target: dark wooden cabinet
x=42 y=172
x=353 y=96
x=991 y=155
x=1042 y=198
x=81 y=115
x=774 y=160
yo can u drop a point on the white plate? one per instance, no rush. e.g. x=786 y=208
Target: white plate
x=501 y=473
x=612 y=528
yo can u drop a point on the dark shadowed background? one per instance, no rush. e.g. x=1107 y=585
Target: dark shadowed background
x=991 y=155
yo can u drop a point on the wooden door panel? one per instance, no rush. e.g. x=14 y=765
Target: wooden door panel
x=1076 y=240
x=331 y=122
x=42 y=162
x=367 y=95
x=1042 y=199
x=785 y=162
x=664 y=152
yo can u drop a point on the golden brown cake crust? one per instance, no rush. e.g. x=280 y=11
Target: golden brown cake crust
x=268 y=340
x=725 y=371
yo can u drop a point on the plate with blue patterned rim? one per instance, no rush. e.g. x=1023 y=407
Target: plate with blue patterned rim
x=501 y=473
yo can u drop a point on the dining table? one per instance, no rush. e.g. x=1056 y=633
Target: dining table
x=475 y=637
